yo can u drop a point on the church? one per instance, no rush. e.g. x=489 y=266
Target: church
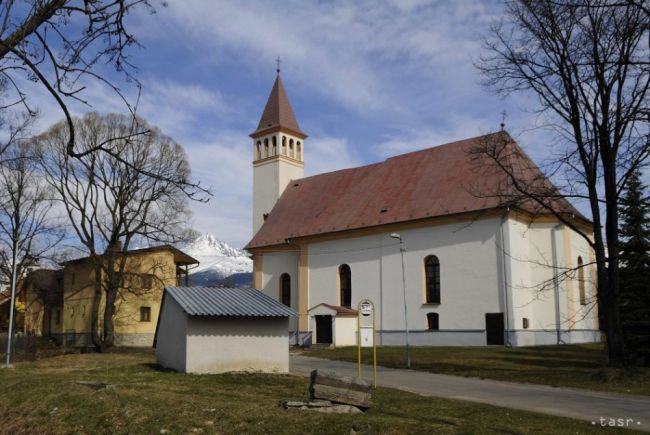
x=436 y=260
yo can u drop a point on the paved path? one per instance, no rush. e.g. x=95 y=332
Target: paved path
x=564 y=402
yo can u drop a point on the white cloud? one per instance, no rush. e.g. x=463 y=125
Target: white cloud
x=326 y=154
x=358 y=53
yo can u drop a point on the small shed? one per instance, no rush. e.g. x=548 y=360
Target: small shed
x=334 y=324
x=222 y=329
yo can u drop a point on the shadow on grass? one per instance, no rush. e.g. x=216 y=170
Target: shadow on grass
x=157 y=368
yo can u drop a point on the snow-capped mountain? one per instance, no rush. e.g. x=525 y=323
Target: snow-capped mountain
x=220 y=262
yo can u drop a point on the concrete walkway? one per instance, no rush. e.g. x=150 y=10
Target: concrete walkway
x=564 y=402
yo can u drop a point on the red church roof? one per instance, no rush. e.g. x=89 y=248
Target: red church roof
x=278 y=113
x=440 y=181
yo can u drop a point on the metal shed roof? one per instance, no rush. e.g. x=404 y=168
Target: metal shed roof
x=227 y=301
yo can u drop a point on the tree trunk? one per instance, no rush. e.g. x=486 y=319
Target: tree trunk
x=96 y=337
x=613 y=330
x=109 y=312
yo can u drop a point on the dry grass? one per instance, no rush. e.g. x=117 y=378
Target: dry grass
x=42 y=397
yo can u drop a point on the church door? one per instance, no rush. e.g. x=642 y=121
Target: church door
x=494 y=328
x=324 y=329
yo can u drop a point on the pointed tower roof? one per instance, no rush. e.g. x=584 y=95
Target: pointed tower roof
x=278 y=113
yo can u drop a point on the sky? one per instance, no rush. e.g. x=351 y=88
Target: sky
x=367 y=80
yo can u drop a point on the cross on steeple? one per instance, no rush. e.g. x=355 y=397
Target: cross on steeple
x=277 y=64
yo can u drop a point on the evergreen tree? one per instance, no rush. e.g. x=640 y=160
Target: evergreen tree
x=635 y=269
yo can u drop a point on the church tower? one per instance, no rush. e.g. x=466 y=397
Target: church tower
x=278 y=150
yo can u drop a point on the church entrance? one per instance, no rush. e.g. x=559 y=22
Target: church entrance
x=494 y=328
x=323 y=329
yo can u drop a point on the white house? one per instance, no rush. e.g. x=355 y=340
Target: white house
x=476 y=272
x=222 y=329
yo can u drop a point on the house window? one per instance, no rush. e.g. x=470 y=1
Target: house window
x=145 y=314
x=345 y=280
x=432 y=279
x=285 y=289
x=432 y=322
x=525 y=323
x=146 y=282
x=581 y=282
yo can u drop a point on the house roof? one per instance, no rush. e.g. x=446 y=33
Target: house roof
x=180 y=257
x=278 y=113
x=440 y=181
x=338 y=309
x=227 y=301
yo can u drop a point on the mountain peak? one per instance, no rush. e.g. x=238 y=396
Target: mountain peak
x=216 y=254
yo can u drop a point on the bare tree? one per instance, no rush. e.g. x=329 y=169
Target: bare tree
x=27 y=229
x=112 y=202
x=60 y=45
x=587 y=64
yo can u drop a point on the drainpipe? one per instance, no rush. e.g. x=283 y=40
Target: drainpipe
x=556 y=284
x=505 y=279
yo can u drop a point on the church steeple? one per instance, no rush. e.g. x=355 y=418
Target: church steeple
x=278 y=114
x=278 y=152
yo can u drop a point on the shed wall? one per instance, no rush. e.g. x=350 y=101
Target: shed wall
x=171 y=345
x=223 y=344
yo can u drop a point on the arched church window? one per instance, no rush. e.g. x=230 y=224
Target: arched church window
x=291 y=151
x=285 y=289
x=266 y=147
x=284 y=145
x=345 y=281
x=259 y=150
x=275 y=145
x=581 y=282
x=298 y=151
x=433 y=323
x=432 y=279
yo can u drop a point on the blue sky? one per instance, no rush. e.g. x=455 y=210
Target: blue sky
x=367 y=80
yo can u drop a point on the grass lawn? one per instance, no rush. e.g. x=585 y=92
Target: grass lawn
x=578 y=366
x=42 y=397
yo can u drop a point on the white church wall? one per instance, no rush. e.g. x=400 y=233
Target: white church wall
x=469 y=274
x=582 y=317
x=274 y=265
x=533 y=292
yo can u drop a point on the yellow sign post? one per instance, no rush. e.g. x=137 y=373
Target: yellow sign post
x=366 y=335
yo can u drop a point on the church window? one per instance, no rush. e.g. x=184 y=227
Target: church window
x=284 y=145
x=259 y=149
x=298 y=151
x=266 y=147
x=345 y=278
x=432 y=279
x=275 y=145
x=291 y=152
x=581 y=282
x=432 y=322
x=285 y=289
x=525 y=323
